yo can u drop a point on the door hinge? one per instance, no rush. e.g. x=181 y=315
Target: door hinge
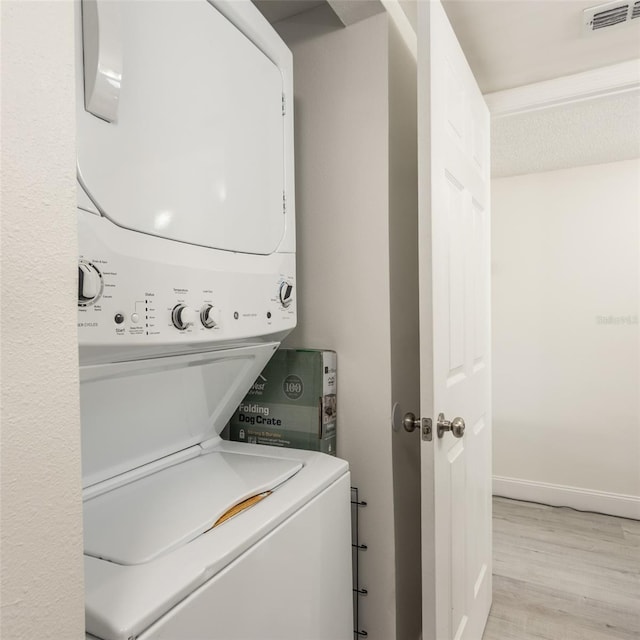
x=284 y=202
x=284 y=105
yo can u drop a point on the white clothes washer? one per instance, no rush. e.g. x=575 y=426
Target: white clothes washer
x=186 y=288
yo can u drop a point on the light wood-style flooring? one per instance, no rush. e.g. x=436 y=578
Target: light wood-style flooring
x=561 y=574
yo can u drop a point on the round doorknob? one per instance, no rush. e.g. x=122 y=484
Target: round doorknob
x=410 y=422
x=456 y=426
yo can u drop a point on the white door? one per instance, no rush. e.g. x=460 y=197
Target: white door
x=453 y=157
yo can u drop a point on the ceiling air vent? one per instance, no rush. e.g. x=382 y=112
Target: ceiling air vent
x=612 y=14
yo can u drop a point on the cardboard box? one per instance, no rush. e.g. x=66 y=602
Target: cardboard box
x=292 y=403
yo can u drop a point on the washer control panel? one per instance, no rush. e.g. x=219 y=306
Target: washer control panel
x=111 y=299
x=126 y=298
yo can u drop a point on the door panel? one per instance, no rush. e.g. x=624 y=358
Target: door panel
x=454 y=221
x=480 y=293
x=455 y=368
x=456 y=459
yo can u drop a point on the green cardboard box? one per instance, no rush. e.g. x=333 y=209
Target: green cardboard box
x=292 y=403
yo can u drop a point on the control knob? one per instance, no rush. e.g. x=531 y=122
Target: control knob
x=207 y=316
x=285 y=294
x=89 y=283
x=183 y=316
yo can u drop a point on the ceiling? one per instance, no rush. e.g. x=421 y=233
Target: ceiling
x=510 y=43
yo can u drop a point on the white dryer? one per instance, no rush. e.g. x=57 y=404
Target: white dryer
x=186 y=288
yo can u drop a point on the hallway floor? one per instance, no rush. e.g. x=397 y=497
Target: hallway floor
x=560 y=574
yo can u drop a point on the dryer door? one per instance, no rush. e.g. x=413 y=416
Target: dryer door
x=180 y=126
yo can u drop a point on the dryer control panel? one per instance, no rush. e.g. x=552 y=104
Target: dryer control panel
x=149 y=295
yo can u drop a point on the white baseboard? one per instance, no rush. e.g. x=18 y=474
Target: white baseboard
x=614 y=504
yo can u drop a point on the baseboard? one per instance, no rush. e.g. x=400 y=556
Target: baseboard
x=614 y=504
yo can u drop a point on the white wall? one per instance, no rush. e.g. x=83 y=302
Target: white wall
x=353 y=108
x=340 y=85
x=42 y=584
x=566 y=384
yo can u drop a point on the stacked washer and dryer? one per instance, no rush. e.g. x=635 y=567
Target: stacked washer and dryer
x=186 y=288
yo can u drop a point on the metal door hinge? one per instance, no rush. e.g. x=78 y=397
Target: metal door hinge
x=284 y=105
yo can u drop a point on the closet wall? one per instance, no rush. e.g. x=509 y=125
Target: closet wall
x=356 y=198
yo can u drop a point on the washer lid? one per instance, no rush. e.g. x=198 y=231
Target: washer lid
x=150 y=517
x=136 y=413
x=121 y=601
x=180 y=125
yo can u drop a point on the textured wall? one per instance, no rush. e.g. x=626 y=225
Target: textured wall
x=41 y=532
x=566 y=338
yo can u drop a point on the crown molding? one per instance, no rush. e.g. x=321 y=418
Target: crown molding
x=605 y=81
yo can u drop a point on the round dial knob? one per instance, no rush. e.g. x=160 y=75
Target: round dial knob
x=183 y=316
x=207 y=316
x=286 y=294
x=89 y=283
